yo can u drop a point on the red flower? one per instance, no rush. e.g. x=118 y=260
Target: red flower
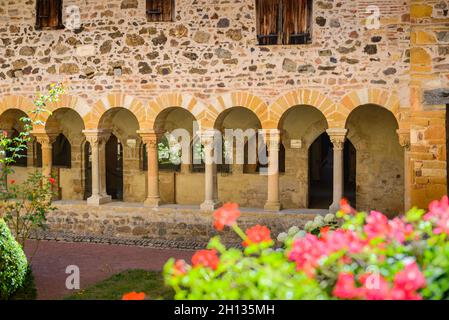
x=257 y=234
x=376 y=225
x=12 y=181
x=375 y=287
x=134 y=296
x=206 y=258
x=180 y=268
x=410 y=279
x=226 y=215
x=346 y=207
x=52 y=180
x=439 y=215
x=306 y=252
x=345 y=287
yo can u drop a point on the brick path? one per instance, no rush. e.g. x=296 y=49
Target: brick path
x=96 y=262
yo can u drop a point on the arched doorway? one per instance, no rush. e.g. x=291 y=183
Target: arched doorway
x=67 y=165
x=321 y=166
x=114 y=168
x=303 y=142
x=177 y=130
x=120 y=155
x=379 y=159
x=240 y=181
x=321 y=172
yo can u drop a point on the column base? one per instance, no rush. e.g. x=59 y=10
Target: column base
x=272 y=206
x=152 y=202
x=210 y=205
x=334 y=207
x=96 y=200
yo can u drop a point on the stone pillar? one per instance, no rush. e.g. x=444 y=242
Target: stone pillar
x=273 y=139
x=150 y=139
x=337 y=137
x=210 y=175
x=404 y=141
x=97 y=139
x=3 y=175
x=46 y=140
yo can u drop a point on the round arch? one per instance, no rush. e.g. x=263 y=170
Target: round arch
x=238 y=99
x=93 y=119
x=303 y=97
x=163 y=102
x=381 y=98
x=17 y=102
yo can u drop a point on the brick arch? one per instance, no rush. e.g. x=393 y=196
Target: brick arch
x=77 y=104
x=117 y=100
x=170 y=100
x=379 y=97
x=303 y=97
x=17 y=102
x=238 y=99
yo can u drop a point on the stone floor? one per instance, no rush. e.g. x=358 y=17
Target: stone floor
x=96 y=262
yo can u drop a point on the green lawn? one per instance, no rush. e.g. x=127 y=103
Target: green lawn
x=150 y=282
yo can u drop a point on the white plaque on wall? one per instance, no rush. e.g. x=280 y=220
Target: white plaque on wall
x=295 y=144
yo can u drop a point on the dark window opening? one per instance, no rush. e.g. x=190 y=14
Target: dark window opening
x=20 y=159
x=160 y=10
x=61 y=152
x=114 y=168
x=285 y=22
x=49 y=14
x=37 y=156
x=87 y=171
x=281 y=159
x=261 y=153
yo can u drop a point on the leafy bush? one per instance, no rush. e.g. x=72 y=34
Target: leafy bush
x=369 y=257
x=27 y=291
x=25 y=206
x=13 y=263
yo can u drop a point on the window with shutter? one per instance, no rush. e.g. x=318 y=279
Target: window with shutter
x=160 y=10
x=49 y=14
x=284 y=21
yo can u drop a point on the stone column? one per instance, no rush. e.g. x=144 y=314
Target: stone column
x=210 y=175
x=273 y=138
x=46 y=140
x=404 y=141
x=3 y=174
x=337 y=137
x=150 y=139
x=96 y=138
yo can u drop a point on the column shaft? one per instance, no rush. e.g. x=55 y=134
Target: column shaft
x=337 y=137
x=273 y=203
x=210 y=175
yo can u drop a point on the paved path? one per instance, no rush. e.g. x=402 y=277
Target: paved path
x=95 y=261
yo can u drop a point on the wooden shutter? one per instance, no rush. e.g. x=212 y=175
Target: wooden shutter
x=160 y=10
x=48 y=14
x=296 y=21
x=267 y=21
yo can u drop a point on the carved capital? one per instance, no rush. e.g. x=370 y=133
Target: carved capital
x=404 y=138
x=96 y=137
x=272 y=138
x=337 y=137
x=45 y=139
x=150 y=138
x=208 y=137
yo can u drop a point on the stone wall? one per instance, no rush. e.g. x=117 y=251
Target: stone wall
x=178 y=224
x=208 y=60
